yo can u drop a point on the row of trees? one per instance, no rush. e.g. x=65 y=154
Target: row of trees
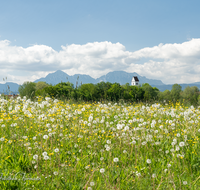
x=189 y=96
x=109 y=91
x=89 y=92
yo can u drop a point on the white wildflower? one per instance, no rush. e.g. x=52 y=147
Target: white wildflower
x=181 y=144
x=56 y=150
x=35 y=156
x=44 y=153
x=184 y=182
x=92 y=183
x=116 y=159
x=102 y=170
x=45 y=137
x=148 y=161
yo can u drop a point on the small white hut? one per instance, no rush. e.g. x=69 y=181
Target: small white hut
x=135 y=81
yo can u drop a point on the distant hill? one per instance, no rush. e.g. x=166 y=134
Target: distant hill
x=9 y=88
x=120 y=77
x=123 y=77
x=58 y=76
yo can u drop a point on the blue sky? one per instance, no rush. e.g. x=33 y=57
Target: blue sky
x=93 y=37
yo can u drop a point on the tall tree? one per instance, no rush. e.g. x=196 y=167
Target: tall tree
x=27 y=89
x=150 y=93
x=175 y=92
x=190 y=95
x=87 y=92
x=40 y=85
x=114 y=93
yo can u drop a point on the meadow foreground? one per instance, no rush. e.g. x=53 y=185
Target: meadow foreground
x=50 y=144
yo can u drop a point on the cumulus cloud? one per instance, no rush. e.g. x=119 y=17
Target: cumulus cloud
x=171 y=63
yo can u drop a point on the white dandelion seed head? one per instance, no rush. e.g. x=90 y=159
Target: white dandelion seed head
x=148 y=161
x=92 y=183
x=116 y=159
x=173 y=143
x=119 y=126
x=2 y=139
x=138 y=174
x=126 y=128
x=35 y=156
x=56 y=150
x=184 y=182
x=108 y=142
x=169 y=165
x=50 y=134
x=172 y=150
x=44 y=153
x=46 y=157
x=55 y=173
x=45 y=137
x=133 y=142
x=181 y=144
x=177 y=148
x=102 y=170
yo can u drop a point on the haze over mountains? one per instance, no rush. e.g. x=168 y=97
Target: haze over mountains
x=120 y=77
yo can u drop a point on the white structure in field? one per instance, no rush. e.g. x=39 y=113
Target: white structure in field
x=135 y=81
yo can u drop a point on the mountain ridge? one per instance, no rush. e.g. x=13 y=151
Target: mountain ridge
x=120 y=77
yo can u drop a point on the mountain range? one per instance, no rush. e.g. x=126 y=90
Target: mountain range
x=120 y=77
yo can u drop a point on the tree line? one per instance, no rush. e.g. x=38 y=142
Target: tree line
x=110 y=91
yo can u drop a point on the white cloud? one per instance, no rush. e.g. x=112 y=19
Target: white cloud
x=171 y=63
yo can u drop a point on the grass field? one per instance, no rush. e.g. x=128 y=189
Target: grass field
x=49 y=144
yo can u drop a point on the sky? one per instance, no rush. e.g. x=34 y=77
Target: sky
x=156 y=39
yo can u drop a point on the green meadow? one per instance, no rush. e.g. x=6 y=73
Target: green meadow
x=53 y=144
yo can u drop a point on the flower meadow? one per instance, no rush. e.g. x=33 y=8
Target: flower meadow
x=51 y=144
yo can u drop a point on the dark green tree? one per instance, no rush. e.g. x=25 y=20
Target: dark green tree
x=40 y=91
x=27 y=89
x=115 y=92
x=190 y=95
x=87 y=92
x=61 y=90
x=41 y=85
x=150 y=93
x=102 y=90
x=136 y=93
x=166 y=95
x=126 y=92
x=64 y=89
x=175 y=92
